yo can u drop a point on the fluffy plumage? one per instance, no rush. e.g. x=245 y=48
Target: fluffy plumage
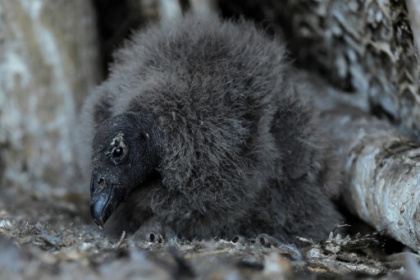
x=235 y=151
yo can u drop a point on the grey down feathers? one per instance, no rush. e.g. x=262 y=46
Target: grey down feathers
x=200 y=127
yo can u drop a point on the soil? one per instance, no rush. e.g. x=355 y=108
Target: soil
x=53 y=237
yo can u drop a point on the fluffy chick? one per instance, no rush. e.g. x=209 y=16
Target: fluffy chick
x=199 y=117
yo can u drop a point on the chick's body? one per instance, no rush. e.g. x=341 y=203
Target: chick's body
x=241 y=153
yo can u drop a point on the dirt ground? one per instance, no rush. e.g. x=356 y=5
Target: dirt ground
x=54 y=238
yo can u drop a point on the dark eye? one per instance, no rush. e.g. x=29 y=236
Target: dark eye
x=117 y=152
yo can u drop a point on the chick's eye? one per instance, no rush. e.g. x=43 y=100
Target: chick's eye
x=117 y=152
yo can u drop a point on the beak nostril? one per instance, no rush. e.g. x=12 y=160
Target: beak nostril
x=101 y=184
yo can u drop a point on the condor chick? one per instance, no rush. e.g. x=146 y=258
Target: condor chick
x=207 y=111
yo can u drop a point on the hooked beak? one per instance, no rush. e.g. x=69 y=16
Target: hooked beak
x=104 y=199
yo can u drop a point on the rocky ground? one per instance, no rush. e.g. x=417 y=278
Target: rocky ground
x=54 y=237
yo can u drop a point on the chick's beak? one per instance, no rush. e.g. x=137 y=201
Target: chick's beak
x=104 y=199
